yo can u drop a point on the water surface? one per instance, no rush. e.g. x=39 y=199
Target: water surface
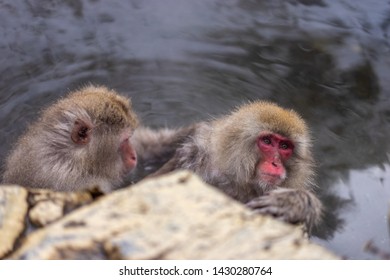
x=185 y=61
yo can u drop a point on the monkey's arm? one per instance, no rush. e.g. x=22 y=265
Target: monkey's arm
x=169 y=166
x=290 y=205
x=155 y=147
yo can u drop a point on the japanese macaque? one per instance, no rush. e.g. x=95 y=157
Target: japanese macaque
x=79 y=142
x=260 y=155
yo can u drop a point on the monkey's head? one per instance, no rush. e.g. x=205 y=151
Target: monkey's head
x=90 y=136
x=265 y=145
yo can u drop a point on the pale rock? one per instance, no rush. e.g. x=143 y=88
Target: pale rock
x=172 y=217
x=13 y=209
x=48 y=206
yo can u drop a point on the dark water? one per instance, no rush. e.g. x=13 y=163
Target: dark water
x=184 y=61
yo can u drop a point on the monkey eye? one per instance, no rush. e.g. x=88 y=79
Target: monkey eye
x=284 y=146
x=266 y=140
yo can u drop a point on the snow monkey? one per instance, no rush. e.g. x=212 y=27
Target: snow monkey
x=260 y=154
x=82 y=140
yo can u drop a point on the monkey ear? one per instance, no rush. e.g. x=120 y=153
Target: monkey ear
x=81 y=132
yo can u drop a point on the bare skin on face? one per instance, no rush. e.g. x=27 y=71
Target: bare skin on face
x=83 y=140
x=276 y=150
x=260 y=154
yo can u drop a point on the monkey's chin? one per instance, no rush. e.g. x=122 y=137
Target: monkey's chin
x=126 y=170
x=270 y=181
x=128 y=165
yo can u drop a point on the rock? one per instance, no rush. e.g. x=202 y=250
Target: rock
x=45 y=207
x=46 y=212
x=48 y=206
x=13 y=209
x=172 y=217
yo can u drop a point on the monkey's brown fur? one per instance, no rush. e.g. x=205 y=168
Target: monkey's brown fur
x=46 y=157
x=225 y=154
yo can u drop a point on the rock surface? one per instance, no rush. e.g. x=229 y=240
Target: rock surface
x=13 y=209
x=171 y=217
x=47 y=206
x=23 y=211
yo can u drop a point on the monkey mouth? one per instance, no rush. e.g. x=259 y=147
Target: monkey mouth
x=128 y=165
x=130 y=162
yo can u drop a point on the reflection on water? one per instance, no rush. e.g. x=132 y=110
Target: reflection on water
x=366 y=217
x=184 y=61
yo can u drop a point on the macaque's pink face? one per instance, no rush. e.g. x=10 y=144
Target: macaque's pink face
x=128 y=154
x=275 y=150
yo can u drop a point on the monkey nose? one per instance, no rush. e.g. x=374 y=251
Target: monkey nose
x=274 y=164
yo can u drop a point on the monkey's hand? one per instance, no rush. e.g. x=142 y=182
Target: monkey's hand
x=292 y=206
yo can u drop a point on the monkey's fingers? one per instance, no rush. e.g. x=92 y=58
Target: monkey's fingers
x=270 y=210
x=268 y=205
x=260 y=202
x=277 y=213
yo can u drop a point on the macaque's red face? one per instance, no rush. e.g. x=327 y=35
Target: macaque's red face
x=275 y=150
